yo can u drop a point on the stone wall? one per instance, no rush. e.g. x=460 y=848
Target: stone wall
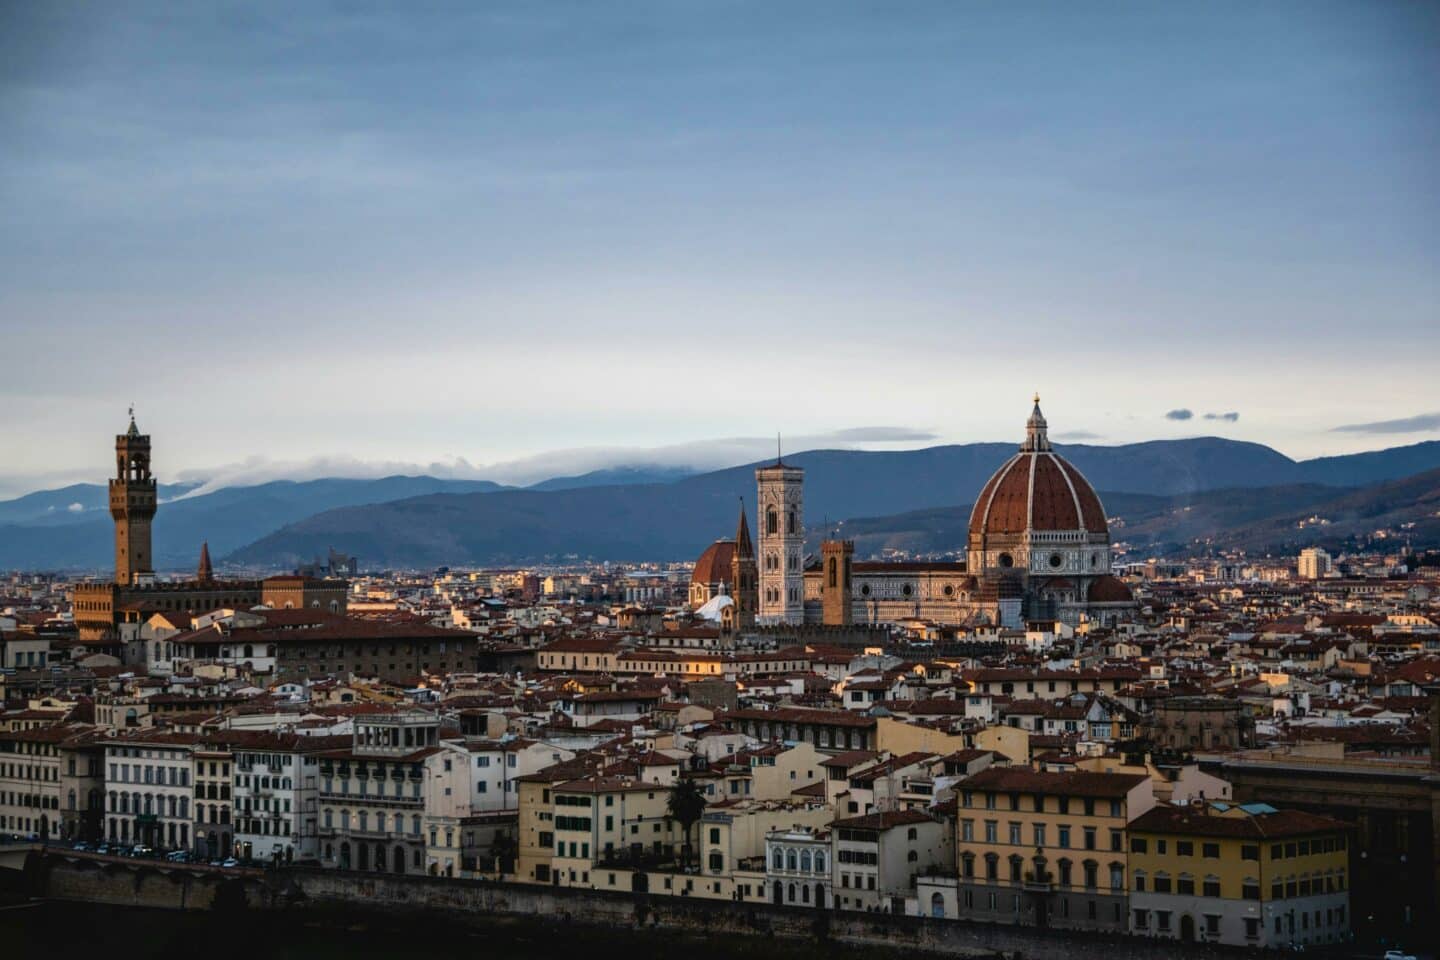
x=343 y=897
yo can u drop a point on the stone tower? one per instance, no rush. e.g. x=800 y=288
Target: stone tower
x=132 y=504
x=744 y=576
x=836 y=557
x=781 y=490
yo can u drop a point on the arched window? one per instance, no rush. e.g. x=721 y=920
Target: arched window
x=819 y=861
x=249 y=651
x=772 y=521
x=779 y=859
x=805 y=860
x=790 y=522
x=992 y=867
x=790 y=860
x=912 y=834
x=832 y=573
x=912 y=856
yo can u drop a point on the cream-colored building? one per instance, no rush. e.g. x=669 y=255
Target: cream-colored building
x=1047 y=849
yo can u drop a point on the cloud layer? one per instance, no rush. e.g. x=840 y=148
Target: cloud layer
x=1180 y=414
x=700 y=455
x=1420 y=423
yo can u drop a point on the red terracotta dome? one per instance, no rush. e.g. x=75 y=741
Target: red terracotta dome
x=1110 y=590
x=714 y=564
x=1037 y=489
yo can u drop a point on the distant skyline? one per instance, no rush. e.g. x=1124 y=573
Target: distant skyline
x=353 y=236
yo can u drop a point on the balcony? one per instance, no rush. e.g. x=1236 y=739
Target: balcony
x=1039 y=882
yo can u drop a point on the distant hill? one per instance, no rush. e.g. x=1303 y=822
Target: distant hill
x=1277 y=520
x=71 y=504
x=643 y=512
x=615 y=476
x=227 y=518
x=670 y=520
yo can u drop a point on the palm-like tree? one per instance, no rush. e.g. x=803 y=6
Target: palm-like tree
x=685 y=806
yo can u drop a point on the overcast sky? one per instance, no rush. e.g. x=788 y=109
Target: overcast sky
x=309 y=236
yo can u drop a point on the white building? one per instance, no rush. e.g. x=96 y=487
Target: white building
x=276 y=796
x=148 y=789
x=798 y=868
x=1315 y=564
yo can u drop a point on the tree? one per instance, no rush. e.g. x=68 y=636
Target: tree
x=502 y=848
x=685 y=806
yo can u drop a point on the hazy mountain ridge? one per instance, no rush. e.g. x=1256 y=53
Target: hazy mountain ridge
x=633 y=513
x=227 y=518
x=668 y=521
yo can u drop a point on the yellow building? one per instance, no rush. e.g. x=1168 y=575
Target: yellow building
x=1244 y=874
x=610 y=821
x=1046 y=848
x=535 y=845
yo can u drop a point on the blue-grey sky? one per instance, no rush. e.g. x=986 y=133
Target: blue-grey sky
x=337 y=234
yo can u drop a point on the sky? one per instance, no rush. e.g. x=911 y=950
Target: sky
x=513 y=239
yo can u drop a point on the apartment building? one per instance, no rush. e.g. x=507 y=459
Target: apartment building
x=214 y=831
x=876 y=857
x=148 y=789
x=1047 y=848
x=277 y=795
x=370 y=794
x=1240 y=874
x=50 y=781
x=610 y=820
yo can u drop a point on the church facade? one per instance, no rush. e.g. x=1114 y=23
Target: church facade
x=1038 y=548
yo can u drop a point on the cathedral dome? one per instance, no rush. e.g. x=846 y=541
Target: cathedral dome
x=1036 y=490
x=714 y=564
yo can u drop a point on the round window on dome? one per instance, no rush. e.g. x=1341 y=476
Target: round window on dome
x=949 y=590
x=1056 y=560
x=1006 y=560
x=1094 y=560
x=906 y=590
x=865 y=590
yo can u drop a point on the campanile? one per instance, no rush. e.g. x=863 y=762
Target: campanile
x=132 y=504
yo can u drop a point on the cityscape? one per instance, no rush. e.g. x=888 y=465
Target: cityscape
x=543 y=479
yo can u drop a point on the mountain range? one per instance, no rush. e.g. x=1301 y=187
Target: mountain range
x=1166 y=493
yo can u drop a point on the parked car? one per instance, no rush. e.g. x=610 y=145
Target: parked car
x=104 y=848
x=178 y=856
x=82 y=845
x=230 y=862
x=1398 y=955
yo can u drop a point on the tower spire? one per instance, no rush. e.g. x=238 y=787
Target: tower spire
x=744 y=546
x=205 y=573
